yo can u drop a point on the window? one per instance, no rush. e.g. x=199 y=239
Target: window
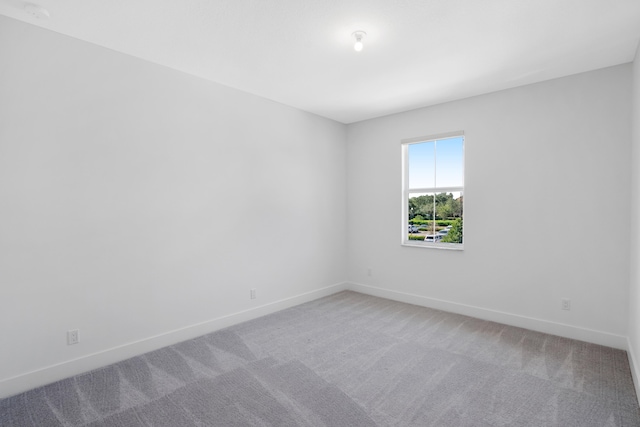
x=432 y=191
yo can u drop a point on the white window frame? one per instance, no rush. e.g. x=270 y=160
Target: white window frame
x=406 y=191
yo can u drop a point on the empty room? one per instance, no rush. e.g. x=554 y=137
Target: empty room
x=320 y=213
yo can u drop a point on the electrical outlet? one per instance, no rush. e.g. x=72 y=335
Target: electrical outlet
x=252 y=294
x=73 y=337
x=566 y=304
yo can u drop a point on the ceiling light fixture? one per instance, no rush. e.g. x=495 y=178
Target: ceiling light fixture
x=358 y=35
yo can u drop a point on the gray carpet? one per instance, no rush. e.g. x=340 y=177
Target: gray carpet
x=349 y=360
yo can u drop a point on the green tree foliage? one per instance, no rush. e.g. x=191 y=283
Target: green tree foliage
x=446 y=206
x=444 y=210
x=421 y=206
x=426 y=210
x=455 y=233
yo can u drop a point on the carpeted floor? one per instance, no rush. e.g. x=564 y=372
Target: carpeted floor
x=349 y=360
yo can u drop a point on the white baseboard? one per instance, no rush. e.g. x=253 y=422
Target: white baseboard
x=560 y=329
x=33 y=379
x=49 y=374
x=633 y=364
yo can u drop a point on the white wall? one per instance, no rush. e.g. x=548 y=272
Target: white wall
x=547 y=207
x=634 y=297
x=136 y=200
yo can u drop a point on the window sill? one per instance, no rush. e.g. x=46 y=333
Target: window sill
x=445 y=246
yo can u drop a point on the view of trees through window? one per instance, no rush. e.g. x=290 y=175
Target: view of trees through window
x=433 y=189
x=445 y=226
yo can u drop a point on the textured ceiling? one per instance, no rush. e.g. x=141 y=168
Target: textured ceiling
x=300 y=52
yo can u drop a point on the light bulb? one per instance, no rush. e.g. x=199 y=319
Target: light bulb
x=358 y=35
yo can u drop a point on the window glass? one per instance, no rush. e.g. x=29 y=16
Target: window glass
x=433 y=189
x=422 y=171
x=450 y=156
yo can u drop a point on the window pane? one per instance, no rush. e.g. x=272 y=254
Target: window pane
x=449 y=160
x=443 y=227
x=421 y=165
x=420 y=209
x=449 y=215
